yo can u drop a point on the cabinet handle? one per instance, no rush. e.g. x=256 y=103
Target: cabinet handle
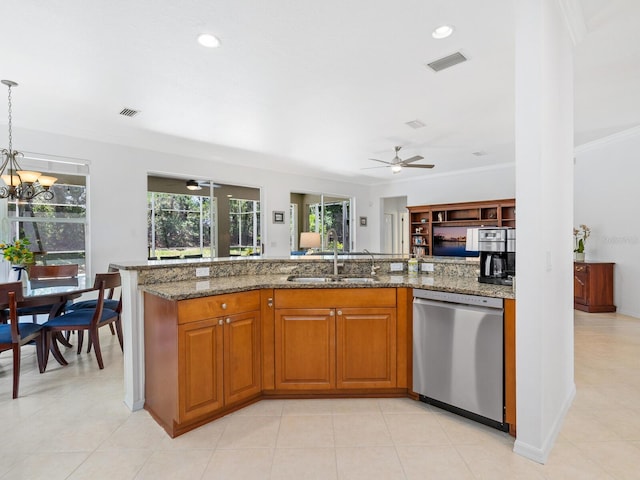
x=339 y=312
x=223 y=306
x=579 y=268
x=270 y=302
x=332 y=313
x=220 y=322
x=228 y=320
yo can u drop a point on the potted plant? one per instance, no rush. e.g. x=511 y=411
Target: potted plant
x=19 y=255
x=580 y=236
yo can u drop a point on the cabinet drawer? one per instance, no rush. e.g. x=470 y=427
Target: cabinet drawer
x=217 y=305
x=335 y=297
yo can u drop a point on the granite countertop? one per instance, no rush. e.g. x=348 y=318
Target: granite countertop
x=187 y=289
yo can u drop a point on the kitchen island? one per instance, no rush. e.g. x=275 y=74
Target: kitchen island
x=248 y=323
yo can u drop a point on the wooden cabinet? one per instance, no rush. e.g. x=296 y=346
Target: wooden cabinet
x=321 y=345
x=202 y=357
x=593 y=287
x=423 y=219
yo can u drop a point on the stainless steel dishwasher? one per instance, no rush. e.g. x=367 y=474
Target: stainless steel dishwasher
x=458 y=354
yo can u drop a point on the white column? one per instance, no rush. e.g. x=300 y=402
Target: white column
x=133 y=333
x=544 y=199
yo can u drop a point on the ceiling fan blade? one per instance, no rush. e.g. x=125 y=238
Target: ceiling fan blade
x=369 y=168
x=381 y=161
x=418 y=166
x=412 y=159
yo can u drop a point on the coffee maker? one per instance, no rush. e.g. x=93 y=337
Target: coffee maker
x=497 y=248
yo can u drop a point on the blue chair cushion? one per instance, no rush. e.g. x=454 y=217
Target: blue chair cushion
x=26 y=329
x=39 y=310
x=108 y=303
x=79 y=318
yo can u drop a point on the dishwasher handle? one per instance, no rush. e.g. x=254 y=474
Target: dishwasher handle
x=450 y=305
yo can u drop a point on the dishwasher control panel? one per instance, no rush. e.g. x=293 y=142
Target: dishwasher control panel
x=461 y=298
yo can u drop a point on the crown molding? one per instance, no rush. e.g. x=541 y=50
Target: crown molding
x=613 y=138
x=573 y=19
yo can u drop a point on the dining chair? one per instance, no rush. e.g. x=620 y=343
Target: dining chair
x=14 y=335
x=46 y=276
x=89 y=319
x=109 y=302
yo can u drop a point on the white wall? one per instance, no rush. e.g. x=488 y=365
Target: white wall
x=544 y=198
x=607 y=200
x=118 y=183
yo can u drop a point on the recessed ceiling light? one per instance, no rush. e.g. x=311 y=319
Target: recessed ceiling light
x=208 y=40
x=443 y=31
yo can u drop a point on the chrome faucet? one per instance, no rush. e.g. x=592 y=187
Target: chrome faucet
x=374 y=267
x=332 y=233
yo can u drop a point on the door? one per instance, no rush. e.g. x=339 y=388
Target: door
x=242 y=371
x=305 y=349
x=366 y=347
x=200 y=350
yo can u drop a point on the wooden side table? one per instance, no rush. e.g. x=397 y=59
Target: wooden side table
x=593 y=287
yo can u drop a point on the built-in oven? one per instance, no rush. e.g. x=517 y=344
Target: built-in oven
x=458 y=359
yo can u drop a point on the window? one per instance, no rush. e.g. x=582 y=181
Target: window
x=211 y=220
x=55 y=228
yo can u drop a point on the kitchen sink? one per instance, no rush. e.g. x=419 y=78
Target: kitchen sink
x=330 y=279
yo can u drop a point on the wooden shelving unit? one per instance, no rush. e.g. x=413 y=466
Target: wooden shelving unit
x=498 y=213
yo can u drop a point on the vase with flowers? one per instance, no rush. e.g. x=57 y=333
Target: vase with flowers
x=19 y=255
x=580 y=236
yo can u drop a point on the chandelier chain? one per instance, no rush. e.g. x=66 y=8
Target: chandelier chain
x=10 y=117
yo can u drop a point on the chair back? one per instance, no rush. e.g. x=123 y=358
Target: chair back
x=111 y=282
x=11 y=294
x=53 y=275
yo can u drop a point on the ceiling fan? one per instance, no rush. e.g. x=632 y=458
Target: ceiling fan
x=397 y=163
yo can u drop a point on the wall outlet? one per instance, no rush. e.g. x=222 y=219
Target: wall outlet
x=426 y=267
x=396 y=267
x=202 y=272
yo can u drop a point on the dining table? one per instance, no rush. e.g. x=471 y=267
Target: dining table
x=55 y=292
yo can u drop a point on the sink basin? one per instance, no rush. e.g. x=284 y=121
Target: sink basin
x=330 y=278
x=297 y=279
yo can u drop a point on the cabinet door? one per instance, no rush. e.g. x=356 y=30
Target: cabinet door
x=242 y=369
x=366 y=347
x=305 y=349
x=200 y=353
x=580 y=284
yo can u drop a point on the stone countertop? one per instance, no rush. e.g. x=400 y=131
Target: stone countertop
x=187 y=289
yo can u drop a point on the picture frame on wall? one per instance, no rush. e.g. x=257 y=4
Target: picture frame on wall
x=278 y=217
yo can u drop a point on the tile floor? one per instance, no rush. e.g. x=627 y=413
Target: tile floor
x=75 y=420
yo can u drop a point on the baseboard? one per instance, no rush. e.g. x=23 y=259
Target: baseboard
x=541 y=454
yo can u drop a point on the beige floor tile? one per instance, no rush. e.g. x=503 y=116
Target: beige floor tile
x=368 y=463
x=138 y=431
x=586 y=426
x=567 y=462
x=204 y=437
x=403 y=405
x=299 y=431
x=620 y=459
x=263 y=408
x=243 y=464
x=361 y=430
x=433 y=462
x=304 y=463
x=496 y=461
x=45 y=466
x=249 y=432
x=410 y=429
x=175 y=465
x=307 y=407
x=462 y=431
x=347 y=406
x=111 y=465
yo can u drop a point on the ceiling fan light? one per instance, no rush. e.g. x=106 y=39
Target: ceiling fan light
x=208 y=40
x=193 y=185
x=396 y=169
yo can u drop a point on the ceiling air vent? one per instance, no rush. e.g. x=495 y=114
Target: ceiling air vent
x=129 y=112
x=479 y=153
x=416 y=124
x=446 y=62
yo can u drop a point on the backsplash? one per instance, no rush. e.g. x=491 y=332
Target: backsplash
x=178 y=270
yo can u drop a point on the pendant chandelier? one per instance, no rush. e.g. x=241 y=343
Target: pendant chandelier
x=21 y=184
